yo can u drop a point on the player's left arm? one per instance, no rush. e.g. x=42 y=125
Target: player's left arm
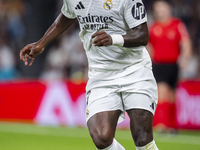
x=138 y=36
x=185 y=46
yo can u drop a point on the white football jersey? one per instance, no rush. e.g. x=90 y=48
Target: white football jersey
x=113 y=17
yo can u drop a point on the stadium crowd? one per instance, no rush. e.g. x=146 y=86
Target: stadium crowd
x=24 y=21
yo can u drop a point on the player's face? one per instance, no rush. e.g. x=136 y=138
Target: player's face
x=162 y=11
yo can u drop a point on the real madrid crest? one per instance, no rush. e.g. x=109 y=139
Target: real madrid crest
x=108 y=5
x=87 y=113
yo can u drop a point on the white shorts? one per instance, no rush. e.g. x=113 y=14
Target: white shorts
x=137 y=90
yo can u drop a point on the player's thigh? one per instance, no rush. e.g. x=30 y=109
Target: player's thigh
x=103 y=110
x=140 y=108
x=141 y=126
x=102 y=125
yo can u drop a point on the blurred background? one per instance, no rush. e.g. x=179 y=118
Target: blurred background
x=52 y=90
x=25 y=21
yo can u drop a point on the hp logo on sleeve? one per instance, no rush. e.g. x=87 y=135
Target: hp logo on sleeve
x=138 y=11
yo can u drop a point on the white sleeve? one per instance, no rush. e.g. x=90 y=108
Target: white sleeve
x=134 y=13
x=67 y=10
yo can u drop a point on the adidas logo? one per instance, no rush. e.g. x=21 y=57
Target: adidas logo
x=80 y=6
x=152 y=106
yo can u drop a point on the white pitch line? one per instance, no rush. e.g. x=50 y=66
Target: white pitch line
x=177 y=139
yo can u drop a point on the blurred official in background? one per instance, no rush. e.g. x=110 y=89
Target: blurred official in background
x=170 y=50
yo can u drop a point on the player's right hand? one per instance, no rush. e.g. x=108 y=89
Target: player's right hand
x=29 y=52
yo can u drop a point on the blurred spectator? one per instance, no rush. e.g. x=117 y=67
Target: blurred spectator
x=194 y=27
x=55 y=63
x=26 y=20
x=170 y=49
x=11 y=14
x=66 y=59
x=7 y=61
x=12 y=33
x=72 y=44
x=182 y=10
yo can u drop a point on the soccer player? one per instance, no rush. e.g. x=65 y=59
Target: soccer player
x=114 y=35
x=170 y=49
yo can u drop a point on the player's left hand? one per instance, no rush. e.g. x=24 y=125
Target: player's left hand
x=102 y=39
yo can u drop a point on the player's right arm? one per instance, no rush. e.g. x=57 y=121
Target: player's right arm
x=61 y=24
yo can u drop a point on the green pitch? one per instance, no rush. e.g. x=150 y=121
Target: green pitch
x=32 y=137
